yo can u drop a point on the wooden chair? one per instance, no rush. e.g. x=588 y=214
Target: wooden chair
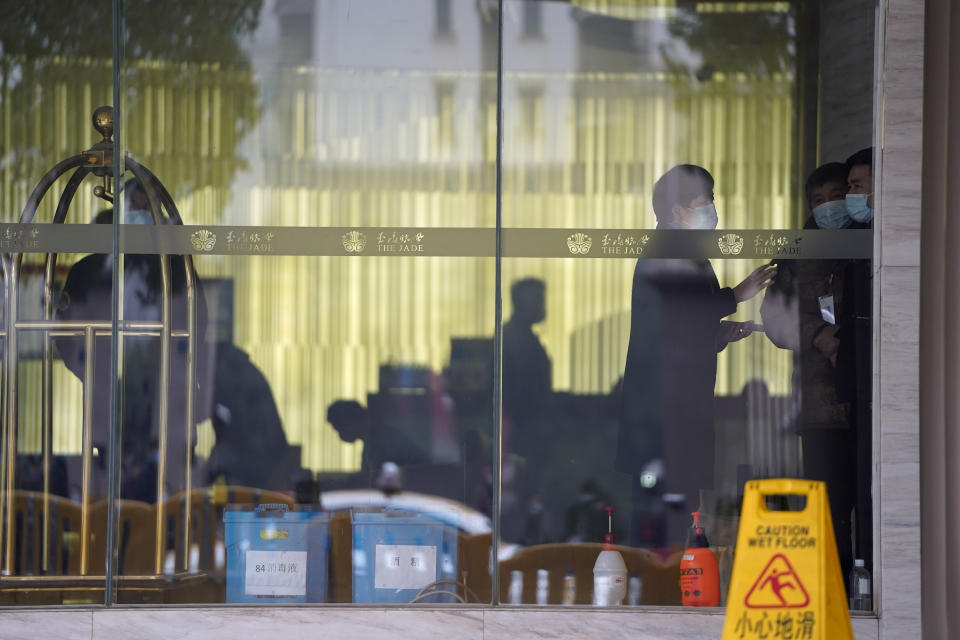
x=63 y=535
x=474 y=566
x=136 y=533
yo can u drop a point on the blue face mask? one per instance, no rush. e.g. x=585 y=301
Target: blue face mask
x=706 y=217
x=832 y=215
x=857 y=207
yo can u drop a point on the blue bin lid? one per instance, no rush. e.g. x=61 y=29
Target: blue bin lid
x=268 y=512
x=395 y=516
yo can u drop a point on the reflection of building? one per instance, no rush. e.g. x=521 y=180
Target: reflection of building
x=362 y=123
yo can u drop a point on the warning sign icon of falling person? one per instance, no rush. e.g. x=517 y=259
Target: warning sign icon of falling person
x=777 y=587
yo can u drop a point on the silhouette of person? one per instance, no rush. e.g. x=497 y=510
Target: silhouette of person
x=671 y=367
x=86 y=296
x=587 y=517
x=352 y=421
x=526 y=367
x=526 y=398
x=251 y=448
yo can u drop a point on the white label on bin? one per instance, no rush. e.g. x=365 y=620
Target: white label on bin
x=276 y=573
x=405 y=566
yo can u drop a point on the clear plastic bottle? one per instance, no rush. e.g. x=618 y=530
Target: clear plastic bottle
x=570 y=587
x=515 y=593
x=861 y=591
x=635 y=590
x=543 y=585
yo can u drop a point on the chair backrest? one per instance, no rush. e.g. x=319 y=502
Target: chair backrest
x=63 y=535
x=136 y=533
x=661 y=578
x=474 y=565
x=206 y=522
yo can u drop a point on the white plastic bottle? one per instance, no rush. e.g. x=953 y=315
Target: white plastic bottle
x=609 y=571
x=543 y=586
x=515 y=593
x=861 y=593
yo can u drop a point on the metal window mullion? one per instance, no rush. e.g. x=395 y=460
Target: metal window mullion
x=6 y=490
x=10 y=413
x=87 y=450
x=166 y=320
x=498 y=325
x=113 y=451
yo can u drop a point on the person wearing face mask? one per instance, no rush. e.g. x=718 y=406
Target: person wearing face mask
x=794 y=319
x=859 y=200
x=676 y=331
x=229 y=390
x=86 y=297
x=854 y=354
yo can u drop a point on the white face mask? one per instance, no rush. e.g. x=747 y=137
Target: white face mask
x=706 y=217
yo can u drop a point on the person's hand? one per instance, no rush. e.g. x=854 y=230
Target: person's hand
x=757 y=281
x=828 y=343
x=733 y=331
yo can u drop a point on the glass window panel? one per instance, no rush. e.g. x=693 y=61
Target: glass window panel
x=645 y=368
x=53 y=519
x=334 y=175
x=305 y=390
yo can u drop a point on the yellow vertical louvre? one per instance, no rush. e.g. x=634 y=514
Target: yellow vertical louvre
x=334 y=152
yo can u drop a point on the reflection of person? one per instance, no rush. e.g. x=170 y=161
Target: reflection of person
x=526 y=367
x=251 y=447
x=675 y=334
x=381 y=443
x=526 y=399
x=352 y=422
x=587 y=517
x=86 y=297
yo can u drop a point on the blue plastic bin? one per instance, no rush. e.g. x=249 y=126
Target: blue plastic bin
x=275 y=554
x=398 y=553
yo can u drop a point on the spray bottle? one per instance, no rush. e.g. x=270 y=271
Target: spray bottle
x=699 y=573
x=609 y=571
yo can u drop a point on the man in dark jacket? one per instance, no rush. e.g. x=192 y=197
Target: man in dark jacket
x=792 y=314
x=820 y=309
x=676 y=331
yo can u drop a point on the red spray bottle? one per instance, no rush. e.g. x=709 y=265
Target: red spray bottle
x=699 y=573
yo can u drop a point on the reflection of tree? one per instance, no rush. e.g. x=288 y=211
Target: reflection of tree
x=52 y=53
x=755 y=42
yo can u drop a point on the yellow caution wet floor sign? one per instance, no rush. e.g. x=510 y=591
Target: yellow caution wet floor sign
x=786 y=582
